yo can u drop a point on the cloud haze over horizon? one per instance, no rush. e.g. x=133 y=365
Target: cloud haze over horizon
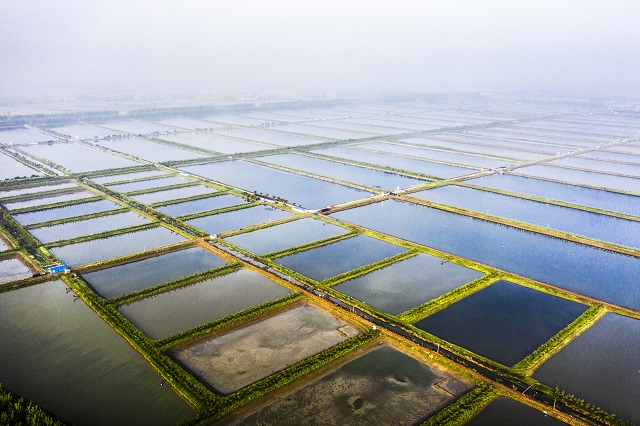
x=66 y=46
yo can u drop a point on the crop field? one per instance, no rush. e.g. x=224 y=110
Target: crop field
x=392 y=262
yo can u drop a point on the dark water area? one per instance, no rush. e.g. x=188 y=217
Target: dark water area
x=580 y=222
x=604 y=275
x=602 y=366
x=66 y=359
x=506 y=411
x=290 y=234
x=123 y=279
x=342 y=256
x=408 y=283
x=590 y=197
x=237 y=219
x=504 y=322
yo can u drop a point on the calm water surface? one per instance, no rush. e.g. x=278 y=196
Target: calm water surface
x=238 y=219
x=506 y=411
x=65 y=212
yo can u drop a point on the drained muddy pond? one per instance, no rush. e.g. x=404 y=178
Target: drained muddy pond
x=408 y=283
x=237 y=359
x=69 y=361
x=336 y=258
x=290 y=234
x=119 y=245
x=123 y=279
x=601 y=366
x=504 y=322
x=383 y=386
x=179 y=310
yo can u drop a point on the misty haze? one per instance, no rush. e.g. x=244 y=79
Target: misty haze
x=287 y=213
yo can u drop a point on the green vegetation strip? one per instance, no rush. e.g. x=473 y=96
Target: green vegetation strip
x=25 y=240
x=76 y=218
x=175 y=284
x=16 y=410
x=561 y=339
x=434 y=305
x=462 y=410
x=228 y=321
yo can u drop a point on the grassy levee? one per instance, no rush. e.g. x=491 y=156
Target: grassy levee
x=560 y=340
x=25 y=240
x=19 y=411
x=186 y=385
x=366 y=269
x=464 y=408
x=439 y=303
x=218 y=211
x=56 y=205
x=174 y=284
x=226 y=322
x=100 y=235
x=230 y=403
x=76 y=218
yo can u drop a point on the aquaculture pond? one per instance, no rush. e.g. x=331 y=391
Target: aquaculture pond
x=148 y=150
x=576 y=267
x=351 y=126
x=137 y=127
x=599 y=180
x=232 y=361
x=394 y=161
x=173 y=194
x=437 y=155
x=282 y=139
x=78 y=158
x=119 y=245
x=179 y=310
x=359 y=175
x=217 y=143
x=342 y=256
x=84 y=131
x=238 y=219
x=506 y=411
x=105 y=180
x=408 y=283
x=12 y=268
x=600 y=366
x=201 y=205
x=122 y=279
x=64 y=212
x=70 y=230
x=308 y=192
x=20 y=136
x=69 y=361
x=599 y=166
x=514 y=154
x=545 y=147
x=290 y=234
x=35 y=189
x=504 y=322
x=148 y=184
x=611 y=155
x=382 y=387
x=592 y=225
x=46 y=200
x=3 y=244
x=591 y=197
x=11 y=168
x=322 y=132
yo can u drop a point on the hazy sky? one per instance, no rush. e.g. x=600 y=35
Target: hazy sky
x=66 y=46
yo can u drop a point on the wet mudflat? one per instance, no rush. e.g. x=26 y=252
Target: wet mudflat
x=64 y=212
x=383 y=386
x=12 y=268
x=504 y=322
x=408 y=283
x=601 y=366
x=69 y=361
x=119 y=245
x=238 y=219
x=339 y=257
x=123 y=279
x=506 y=411
x=179 y=310
x=235 y=360
x=290 y=234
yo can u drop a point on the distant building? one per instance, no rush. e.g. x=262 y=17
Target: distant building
x=58 y=268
